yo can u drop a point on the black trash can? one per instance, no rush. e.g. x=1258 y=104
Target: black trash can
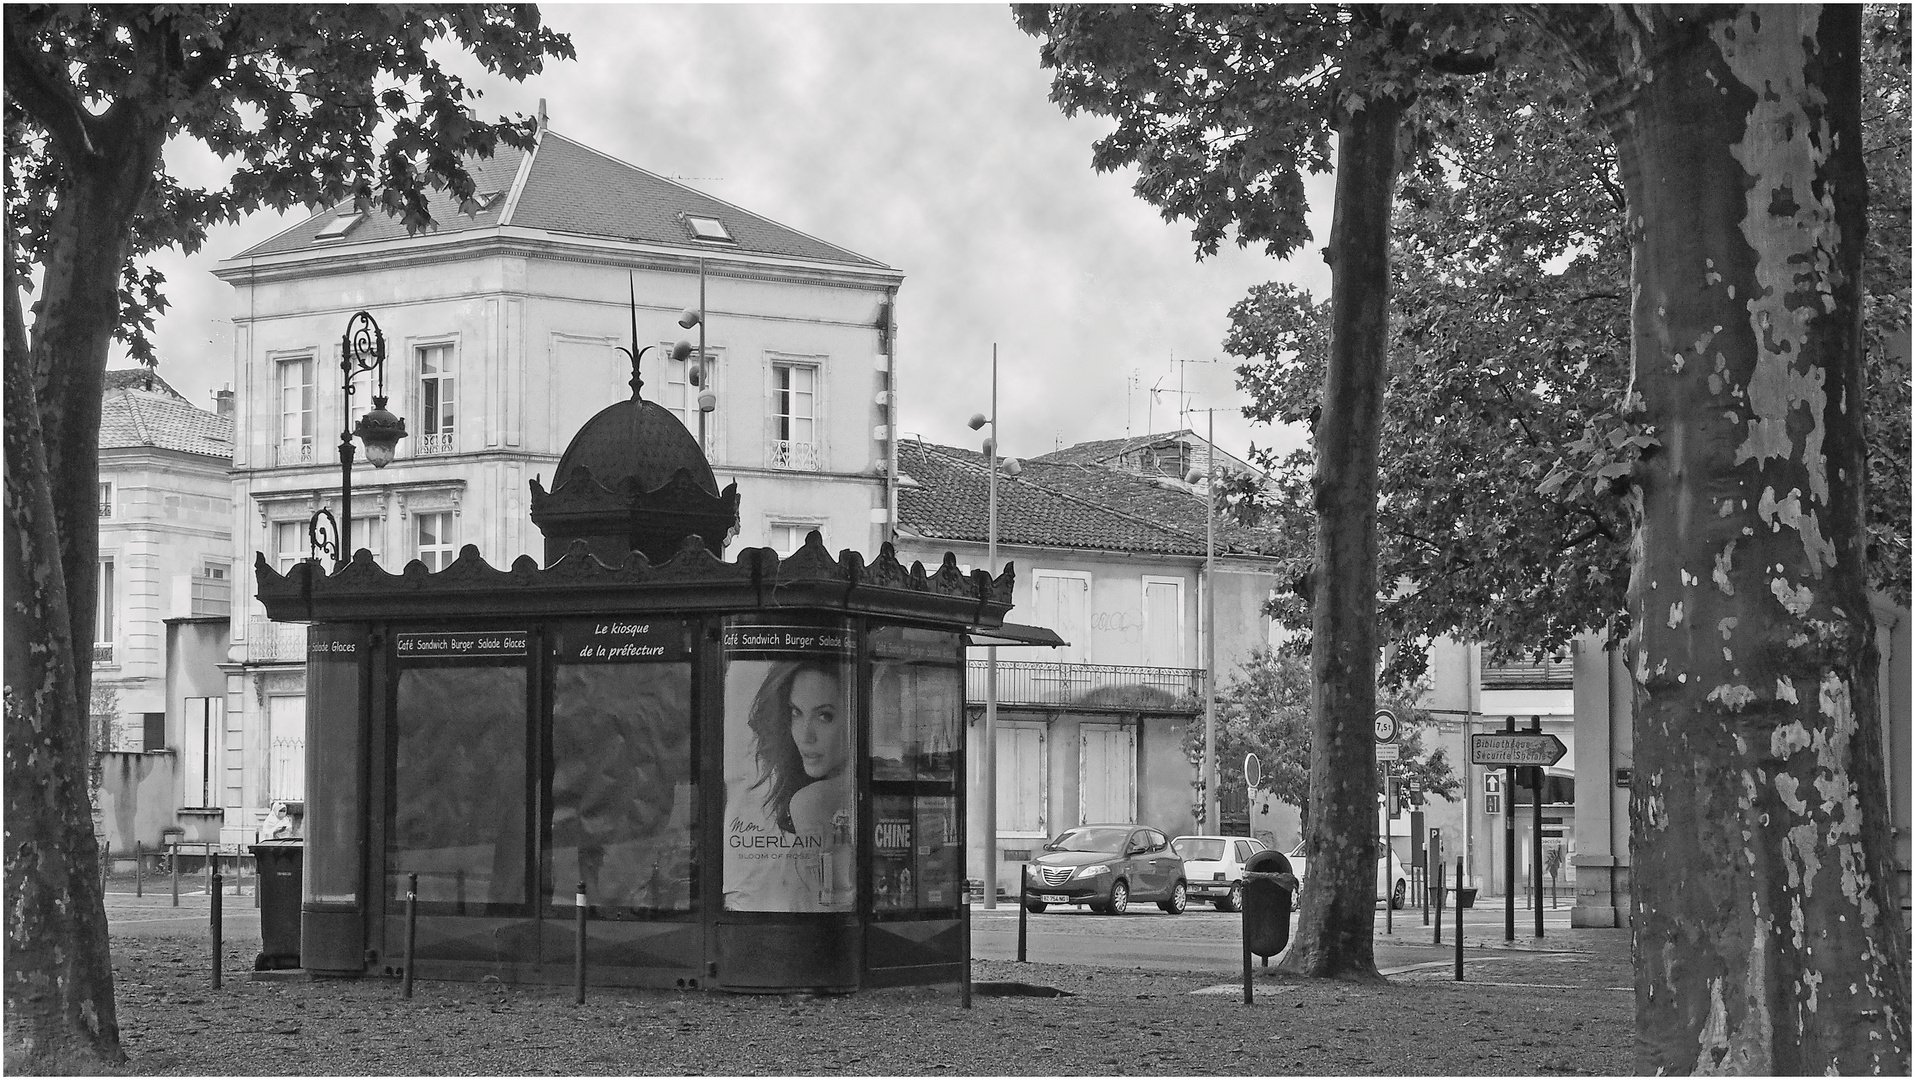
x=280 y=868
x=1267 y=886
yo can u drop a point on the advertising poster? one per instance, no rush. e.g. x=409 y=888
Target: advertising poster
x=622 y=781
x=790 y=779
x=893 y=862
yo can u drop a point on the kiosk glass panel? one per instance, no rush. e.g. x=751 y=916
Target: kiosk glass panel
x=623 y=789
x=459 y=782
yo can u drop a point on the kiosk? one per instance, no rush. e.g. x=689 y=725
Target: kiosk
x=752 y=771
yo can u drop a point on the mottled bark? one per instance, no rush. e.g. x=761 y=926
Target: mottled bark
x=59 y=977
x=1766 y=937
x=1335 y=932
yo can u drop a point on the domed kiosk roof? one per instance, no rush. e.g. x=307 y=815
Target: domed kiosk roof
x=638 y=441
x=634 y=480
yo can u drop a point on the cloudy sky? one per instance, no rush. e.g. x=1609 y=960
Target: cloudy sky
x=923 y=136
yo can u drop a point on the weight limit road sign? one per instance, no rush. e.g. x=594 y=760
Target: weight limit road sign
x=1510 y=748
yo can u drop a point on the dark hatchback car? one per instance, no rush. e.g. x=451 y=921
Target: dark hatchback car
x=1106 y=867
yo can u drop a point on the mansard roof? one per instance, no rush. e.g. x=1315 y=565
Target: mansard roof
x=566 y=188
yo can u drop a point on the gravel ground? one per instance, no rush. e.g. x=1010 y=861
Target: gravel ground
x=1520 y=1012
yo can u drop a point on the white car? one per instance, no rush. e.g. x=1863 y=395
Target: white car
x=1395 y=886
x=1213 y=867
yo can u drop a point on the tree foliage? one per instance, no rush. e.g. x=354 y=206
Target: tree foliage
x=306 y=106
x=1500 y=514
x=1265 y=710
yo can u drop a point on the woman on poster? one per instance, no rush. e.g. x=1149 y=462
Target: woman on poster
x=802 y=733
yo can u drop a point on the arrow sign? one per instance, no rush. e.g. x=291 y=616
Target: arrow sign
x=1508 y=748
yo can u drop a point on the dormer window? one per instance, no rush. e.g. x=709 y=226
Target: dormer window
x=708 y=228
x=340 y=225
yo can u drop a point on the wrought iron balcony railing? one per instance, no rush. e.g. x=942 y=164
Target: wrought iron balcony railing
x=295 y=453
x=1553 y=674
x=427 y=444
x=1089 y=686
x=787 y=454
x=268 y=641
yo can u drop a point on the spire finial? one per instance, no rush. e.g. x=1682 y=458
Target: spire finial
x=638 y=381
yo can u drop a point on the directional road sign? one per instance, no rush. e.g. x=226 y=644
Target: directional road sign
x=1507 y=748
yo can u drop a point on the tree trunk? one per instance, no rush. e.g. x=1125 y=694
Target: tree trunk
x=1767 y=938
x=1335 y=936
x=59 y=974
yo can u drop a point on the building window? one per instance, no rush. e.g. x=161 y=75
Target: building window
x=788 y=536
x=338 y=227
x=289 y=544
x=296 y=411
x=679 y=397
x=153 y=731
x=1163 y=622
x=708 y=228
x=437 y=400
x=213 y=588
x=201 y=733
x=794 y=417
x=286 y=754
x=106 y=498
x=369 y=533
x=106 y=611
x=436 y=540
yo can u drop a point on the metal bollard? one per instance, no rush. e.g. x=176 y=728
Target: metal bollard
x=578 y=977
x=176 y=876
x=965 y=993
x=1023 y=912
x=1438 y=890
x=1459 y=918
x=412 y=929
x=219 y=955
x=139 y=869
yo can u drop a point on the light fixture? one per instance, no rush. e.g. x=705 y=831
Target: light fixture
x=361 y=349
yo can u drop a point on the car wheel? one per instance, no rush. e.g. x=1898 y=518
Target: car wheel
x=1402 y=891
x=1034 y=907
x=1234 y=901
x=1179 y=900
x=1118 y=903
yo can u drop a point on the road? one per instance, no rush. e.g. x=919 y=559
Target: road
x=1202 y=939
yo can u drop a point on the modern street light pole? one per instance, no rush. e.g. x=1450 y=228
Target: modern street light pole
x=361 y=349
x=699 y=377
x=1207 y=598
x=988 y=770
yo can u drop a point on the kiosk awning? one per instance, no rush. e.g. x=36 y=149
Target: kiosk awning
x=1013 y=634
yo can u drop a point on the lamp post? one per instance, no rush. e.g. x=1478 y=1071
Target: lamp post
x=989 y=771
x=1209 y=600
x=361 y=349
x=699 y=376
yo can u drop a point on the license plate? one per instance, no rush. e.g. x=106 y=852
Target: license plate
x=1053 y=898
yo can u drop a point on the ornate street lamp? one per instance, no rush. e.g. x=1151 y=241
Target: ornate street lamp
x=361 y=349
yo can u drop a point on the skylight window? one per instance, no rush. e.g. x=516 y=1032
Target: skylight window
x=708 y=228
x=340 y=226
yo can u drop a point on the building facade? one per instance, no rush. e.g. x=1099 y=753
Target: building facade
x=1113 y=563
x=505 y=330
x=167 y=760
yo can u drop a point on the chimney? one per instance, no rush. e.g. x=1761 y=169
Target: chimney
x=223 y=402
x=541 y=116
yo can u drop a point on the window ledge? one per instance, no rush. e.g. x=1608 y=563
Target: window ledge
x=201 y=811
